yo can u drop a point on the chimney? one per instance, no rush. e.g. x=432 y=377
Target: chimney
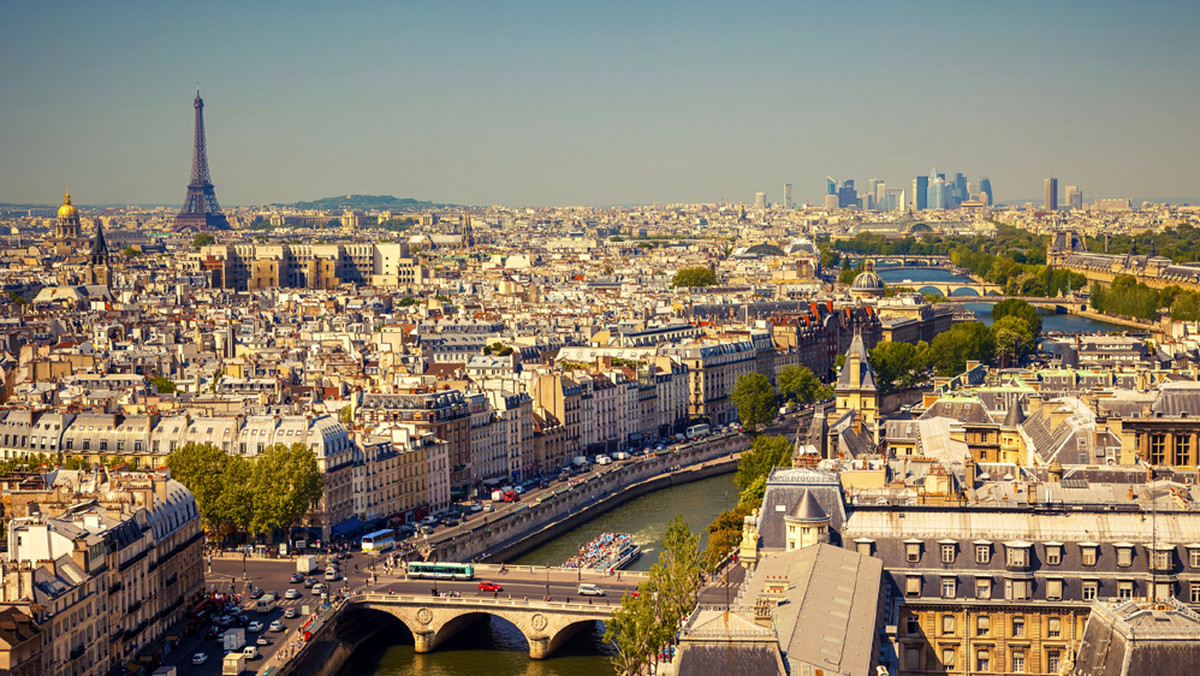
x=972 y=472
x=160 y=488
x=1035 y=402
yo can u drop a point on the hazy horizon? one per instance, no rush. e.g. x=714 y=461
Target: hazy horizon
x=539 y=103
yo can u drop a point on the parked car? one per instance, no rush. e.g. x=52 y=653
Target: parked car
x=476 y=506
x=488 y=585
x=256 y=593
x=290 y=613
x=277 y=626
x=587 y=589
x=263 y=640
x=199 y=658
x=308 y=583
x=296 y=578
x=489 y=508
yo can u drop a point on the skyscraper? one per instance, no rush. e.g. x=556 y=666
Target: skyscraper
x=830 y=186
x=760 y=200
x=787 y=196
x=847 y=195
x=1051 y=194
x=960 y=189
x=200 y=209
x=920 y=193
x=1074 y=198
x=936 y=198
x=985 y=188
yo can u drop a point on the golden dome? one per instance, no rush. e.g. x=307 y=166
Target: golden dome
x=66 y=210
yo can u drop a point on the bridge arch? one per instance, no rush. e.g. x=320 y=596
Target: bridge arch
x=962 y=291
x=356 y=617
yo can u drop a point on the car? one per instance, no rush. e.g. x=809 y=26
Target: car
x=263 y=640
x=255 y=627
x=290 y=613
x=476 y=506
x=296 y=578
x=250 y=652
x=277 y=626
x=588 y=589
x=318 y=589
x=489 y=508
x=427 y=529
x=256 y=594
x=342 y=556
x=308 y=583
x=332 y=576
x=199 y=658
x=292 y=593
x=488 y=585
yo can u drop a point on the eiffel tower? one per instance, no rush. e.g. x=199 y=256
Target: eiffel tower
x=200 y=209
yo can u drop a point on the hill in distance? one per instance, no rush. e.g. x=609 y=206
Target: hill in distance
x=369 y=202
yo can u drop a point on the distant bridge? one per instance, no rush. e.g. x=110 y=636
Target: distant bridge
x=952 y=289
x=901 y=261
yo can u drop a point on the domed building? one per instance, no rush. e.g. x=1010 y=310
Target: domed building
x=68 y=232
x=867 y=284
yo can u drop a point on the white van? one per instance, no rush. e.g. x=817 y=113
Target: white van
x=603 y=460
x=587 y=589
x=250 y=652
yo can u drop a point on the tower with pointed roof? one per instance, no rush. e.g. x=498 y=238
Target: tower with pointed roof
x=806 y=524
x=856 y=390
x=98 y=270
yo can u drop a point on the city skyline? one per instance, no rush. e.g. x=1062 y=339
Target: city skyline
x=538 y=104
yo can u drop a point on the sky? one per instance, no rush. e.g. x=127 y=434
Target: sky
x=601 y=103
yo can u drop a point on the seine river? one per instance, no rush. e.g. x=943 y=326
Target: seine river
x=1050 y=321
x=496 y=648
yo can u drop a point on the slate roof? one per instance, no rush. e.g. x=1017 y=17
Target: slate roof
x=866 y=376
x=785 y=489
x=1130 y=638
x=807 y=509
x=749 y=658
x=1177 y=398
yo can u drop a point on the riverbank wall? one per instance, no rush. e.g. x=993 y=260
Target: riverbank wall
x=1139 y=324
x=589 y=493
x=550 y=531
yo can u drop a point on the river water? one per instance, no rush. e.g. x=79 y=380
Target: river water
x=1050 y=321
x=497 y=648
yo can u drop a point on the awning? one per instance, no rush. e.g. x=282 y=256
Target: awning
x=348 y=526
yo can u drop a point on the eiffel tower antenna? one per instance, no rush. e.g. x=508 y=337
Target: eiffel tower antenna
x=200 y=208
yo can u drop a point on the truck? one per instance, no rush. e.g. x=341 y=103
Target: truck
x=497 y=496
x=165 y=671
x=579 y=461
x=233 y=664
x=305 y=565
x=233 y=639
x=512 y=496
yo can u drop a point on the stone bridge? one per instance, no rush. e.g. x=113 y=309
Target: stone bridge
x=902 y=260
x=432 y=620
x=949 y=289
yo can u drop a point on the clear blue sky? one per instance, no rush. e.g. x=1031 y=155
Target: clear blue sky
x=531 y=103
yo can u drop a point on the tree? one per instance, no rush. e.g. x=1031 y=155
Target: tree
x=201 y=468
x=131 y=252
x=798 y=384
x=697 y=276
x=897 y=365
x=286 y=483
x=636 y=631
x=754 y=398
x=1013 y=339
x=765 y=454
x=950 y=351
x=163 y=384
x=1015 y=307
x=345 y=415
x=202 y=240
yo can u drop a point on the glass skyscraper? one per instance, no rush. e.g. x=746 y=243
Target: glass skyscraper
x=985 y=186
x=921 y=192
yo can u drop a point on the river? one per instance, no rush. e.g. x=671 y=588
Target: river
x=1051 y=322
x=497 y=648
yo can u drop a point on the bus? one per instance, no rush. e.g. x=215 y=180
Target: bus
x=379 y=541
x=696 y=431
x=441 y=571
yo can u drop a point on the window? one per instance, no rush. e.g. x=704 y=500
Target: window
x=983 y=625
x=947 y=624
x=1054 y=627
x=1018 y=626
x=1016 y=590
x=948 y=587
x=1162 y=559
x=912 y=585
x=1125 y=589
x=1053 y=555
x=983 y=587
x=983 y=660
x=1054 y=589
x=1182 y=452
x=1194 y=557
x=912 y=551
x=1162 y=590
x=1017 y=556
x=1088 y=553
x=103 y=445
x=947 y=553
x=1124 y=556
x=1194 y=592
x=864 y=548
x=912 y=658
x=948 y=658
x=1018 y=661
x=912 y=624
x=1158 y=449
x=1053 y=661
x=1089 y=589
x=983 y=553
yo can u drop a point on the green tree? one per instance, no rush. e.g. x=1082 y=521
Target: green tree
x=1013 y=339
x=287 y=483
x=897 y=365
x=202 y=240
x=131 y=252
x=636 y=630
x=1015 y=307
x=346 y=415
x=765 y=454
x=239 y=498
x=754 y=398
x=163 y=384
x=696 y=276
x=798 y=384
x=950 y=351
x=201 y=468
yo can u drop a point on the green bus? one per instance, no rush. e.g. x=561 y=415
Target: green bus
x=441 y=571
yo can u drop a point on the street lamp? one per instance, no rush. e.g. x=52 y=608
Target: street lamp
x=547 y=579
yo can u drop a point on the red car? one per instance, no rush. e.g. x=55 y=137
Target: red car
x=487 y=585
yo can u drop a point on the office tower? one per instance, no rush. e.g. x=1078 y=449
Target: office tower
x=920 y=191
x=200 y=209
x=787 y=196
x=1051 y=194
x=830 y=186
x=873 y=189
x=847 y=195
x=831 y=202
x=936 y=198
x=880 y=192
x=1074 y=198
x=960 y=189
x=893 y=199
x=985 y=188
x=760 y=200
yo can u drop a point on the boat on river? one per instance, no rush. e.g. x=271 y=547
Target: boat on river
x=608 y=551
